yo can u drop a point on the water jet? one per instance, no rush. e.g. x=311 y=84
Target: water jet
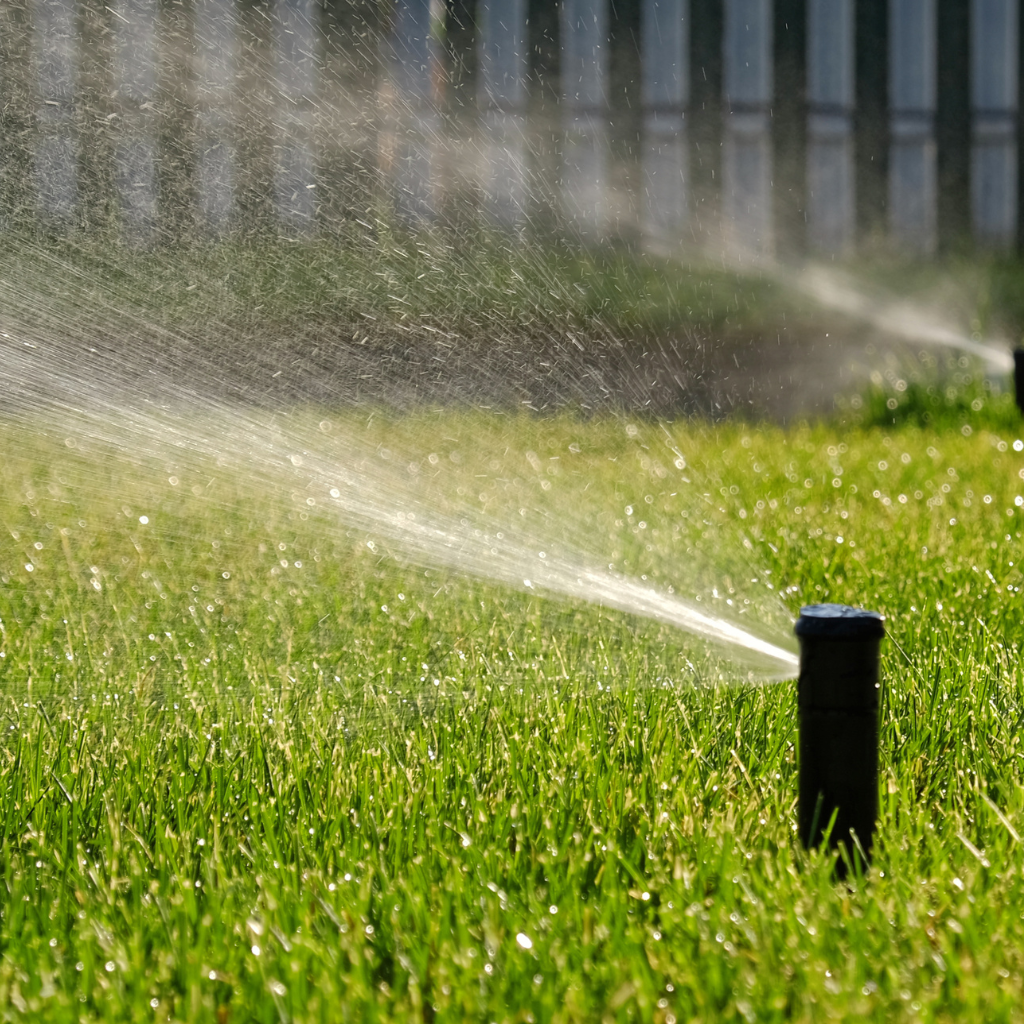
x=837 y=695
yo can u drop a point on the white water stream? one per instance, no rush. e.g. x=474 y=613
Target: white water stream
x=904 y=320
x=362 y=491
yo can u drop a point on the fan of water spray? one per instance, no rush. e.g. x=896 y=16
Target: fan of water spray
x=902 y=320
x=144 y=408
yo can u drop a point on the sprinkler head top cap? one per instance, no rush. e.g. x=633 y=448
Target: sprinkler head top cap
x=839 y=666
x=839 y=622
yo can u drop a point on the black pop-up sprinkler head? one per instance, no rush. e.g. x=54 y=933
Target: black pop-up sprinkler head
x=1018 y=377
x=837 y=695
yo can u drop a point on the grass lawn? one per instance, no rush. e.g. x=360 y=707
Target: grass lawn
x=253 y=767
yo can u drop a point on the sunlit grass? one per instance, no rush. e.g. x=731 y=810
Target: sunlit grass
x=252 y=769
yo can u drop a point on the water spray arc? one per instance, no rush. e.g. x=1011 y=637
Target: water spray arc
x=902 y=320
x=838 y=696
x=364 y=492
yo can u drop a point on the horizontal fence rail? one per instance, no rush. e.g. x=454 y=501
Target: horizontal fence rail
x=763 y=127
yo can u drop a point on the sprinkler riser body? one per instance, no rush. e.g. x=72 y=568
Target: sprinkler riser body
x=838 y=698
x=838 y=745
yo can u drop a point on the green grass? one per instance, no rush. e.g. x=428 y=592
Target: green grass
x=232 y=790
x=957 y=399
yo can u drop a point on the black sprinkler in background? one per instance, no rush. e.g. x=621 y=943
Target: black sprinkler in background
x=837 y=695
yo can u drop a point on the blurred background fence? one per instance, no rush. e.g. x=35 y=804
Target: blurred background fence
x=822 y=126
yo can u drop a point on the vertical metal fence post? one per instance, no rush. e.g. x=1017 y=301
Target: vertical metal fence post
x=503 y=68
x=747 y=163
x=55 y=162
x=414 y=59
x=135 y=154
x=295 y=35
x=994 y=83
x=913 y=188
x=585 y=114
x=215 y=32
x=830 y=95
x=665 y=83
